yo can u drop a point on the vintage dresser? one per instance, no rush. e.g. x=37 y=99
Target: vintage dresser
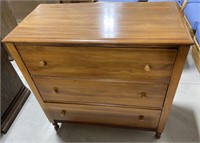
x=105 y=63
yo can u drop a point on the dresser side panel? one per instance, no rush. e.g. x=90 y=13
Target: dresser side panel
x=176 y=74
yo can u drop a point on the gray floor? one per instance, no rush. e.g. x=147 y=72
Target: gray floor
x=183 y=125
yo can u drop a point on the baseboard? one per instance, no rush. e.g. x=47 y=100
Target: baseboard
x=12 y=112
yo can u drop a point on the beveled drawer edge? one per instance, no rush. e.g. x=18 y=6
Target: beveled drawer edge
x=105 y=105
x=147 y=46
x=100 y=79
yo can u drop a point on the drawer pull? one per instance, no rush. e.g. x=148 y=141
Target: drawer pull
x=55 y=90
x=43 y=63
x=143 y=95
x=141 y=117
x=63 y=112
x=147 y=68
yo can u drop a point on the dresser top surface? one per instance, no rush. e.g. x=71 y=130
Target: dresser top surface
x=103 y=23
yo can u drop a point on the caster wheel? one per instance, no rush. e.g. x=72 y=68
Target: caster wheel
x=157 y=135
x=56 y=126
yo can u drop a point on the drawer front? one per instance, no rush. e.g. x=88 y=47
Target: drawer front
x=101 y=92
x=100 y=63
x=139 y=118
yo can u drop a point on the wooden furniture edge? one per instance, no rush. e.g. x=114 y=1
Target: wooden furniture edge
x=12 y=49
x=104 y=124
x=14 y=109
x=189 y=26
x=186 y=23
x=196 y=57
x=196 y=43
x=184 y=5
x=176 y=74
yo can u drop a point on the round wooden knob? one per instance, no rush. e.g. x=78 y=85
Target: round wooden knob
x=147 y=68
x=55 y=90
x=43 y=63
x=143 y=94
x=141 y=117
x=63 y=112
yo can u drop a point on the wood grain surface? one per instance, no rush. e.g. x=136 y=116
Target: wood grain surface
x=83 y=60
x=101 y=92
x=125 y=23
x=105 y=115
x=196 y=56
x=176 y=74
x=99 y=63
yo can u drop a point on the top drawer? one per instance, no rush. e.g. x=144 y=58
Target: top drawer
x=140 y=64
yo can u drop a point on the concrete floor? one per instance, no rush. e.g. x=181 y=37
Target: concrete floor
x=183 y=125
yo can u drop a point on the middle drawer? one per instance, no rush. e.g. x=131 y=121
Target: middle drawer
x=101 y=92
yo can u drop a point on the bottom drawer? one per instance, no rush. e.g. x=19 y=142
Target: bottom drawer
x=139 y=118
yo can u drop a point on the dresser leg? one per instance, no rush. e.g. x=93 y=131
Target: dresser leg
x=157 y=135
x=56 y=126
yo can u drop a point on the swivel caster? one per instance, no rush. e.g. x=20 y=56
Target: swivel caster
x=157 y=135
x=56 y=126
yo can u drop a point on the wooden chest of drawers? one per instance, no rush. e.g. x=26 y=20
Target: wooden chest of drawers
x=106 y=63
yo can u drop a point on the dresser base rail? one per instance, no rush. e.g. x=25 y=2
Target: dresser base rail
x=57 y=127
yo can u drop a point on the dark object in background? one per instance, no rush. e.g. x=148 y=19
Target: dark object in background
x=13 y=92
